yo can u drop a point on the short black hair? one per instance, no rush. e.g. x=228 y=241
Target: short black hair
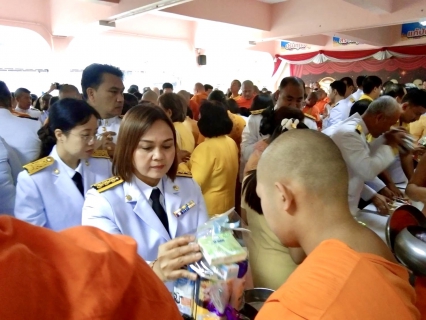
x=370 y=83
x=129 y=102
x=53 y=100
x=339 y=86
x=217 y=95
x=233 y=106
x=93 y=76
x=214 y=120
x=416 y=97
x=20 y=91
x=360 y=107
x=5 y=96
x=348 y=81
x=138 y=95
x=208 y=87
x=295 y=81
x=271 y=118
x=261 y=101
x=133 y=88
x=360 y=80
x=394 y=90
x=167 y=85
x=33 y=97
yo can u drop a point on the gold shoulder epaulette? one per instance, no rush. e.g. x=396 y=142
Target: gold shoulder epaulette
x=257 y=111
x=107 y=184
x=358 y=129
x=352 y=100
x=39 y=165
x=183 y=171
x=310 y=117
x=100 y=154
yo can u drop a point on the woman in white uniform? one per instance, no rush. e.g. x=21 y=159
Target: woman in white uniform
x=148 y=198
x=50 y=192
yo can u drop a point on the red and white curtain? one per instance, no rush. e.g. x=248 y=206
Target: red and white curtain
x=407 y=58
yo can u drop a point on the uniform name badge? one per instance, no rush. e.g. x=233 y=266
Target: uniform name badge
x=185 y=208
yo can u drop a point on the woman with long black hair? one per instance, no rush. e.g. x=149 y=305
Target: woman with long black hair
x=50 y=192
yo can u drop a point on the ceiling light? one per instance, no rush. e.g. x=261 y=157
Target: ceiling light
x=158 y=5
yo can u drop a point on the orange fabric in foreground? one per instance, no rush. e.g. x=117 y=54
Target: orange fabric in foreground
x=335 y=282
x=79 y=273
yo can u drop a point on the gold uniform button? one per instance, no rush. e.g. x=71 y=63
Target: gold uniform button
x=56 y=171
x=49 y=159
x=176 y=188
x=128 y=198
x=87 y=163
x=103 y=129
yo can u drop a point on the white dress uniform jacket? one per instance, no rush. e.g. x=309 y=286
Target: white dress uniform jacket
x=47 y=196
x=32 y=112
x=340 y=111
x=21 y=135
x=363 y=164
x=9 y=169
x=357 y=94
x=112 y=124
x=119 y=207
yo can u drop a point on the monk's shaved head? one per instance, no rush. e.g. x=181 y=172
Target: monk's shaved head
x=199 y=87
x=247 y=89
x=308 y=158
x=302 y=181
x=150 y=96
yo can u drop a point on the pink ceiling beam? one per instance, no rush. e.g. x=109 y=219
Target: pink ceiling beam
x=376 y=6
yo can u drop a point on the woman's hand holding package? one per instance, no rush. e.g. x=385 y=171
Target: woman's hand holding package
x=175 y=255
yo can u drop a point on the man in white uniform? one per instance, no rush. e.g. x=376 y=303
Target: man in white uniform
x=341 y=109
x=103 y=89
x=19 y=133
x=350 y=136
x=23 y=99
x=357 y=94
x=291 y=94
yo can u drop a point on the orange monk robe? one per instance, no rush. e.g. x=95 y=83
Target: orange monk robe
x=420 y=288
x=244 y=103
x=336 y=282
x=79 y=273
x=321 y=105
x=312 y=111
x=195 y=108
x=198 y=98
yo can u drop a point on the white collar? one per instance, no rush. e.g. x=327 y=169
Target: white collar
x=64 y=167
x=108 y=122
x=22 y=110
x=146 y=190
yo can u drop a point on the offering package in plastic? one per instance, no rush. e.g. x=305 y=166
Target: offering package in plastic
x=218 y=292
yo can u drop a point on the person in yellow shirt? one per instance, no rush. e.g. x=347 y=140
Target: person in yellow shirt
x=418 y=128
x=189 y=122
x=214 y=163
x=174 y=107
x=234 y=91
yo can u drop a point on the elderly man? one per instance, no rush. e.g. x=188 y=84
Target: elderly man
x=365 y=162
x=247 y=95
x=150 y=96
x=69 y=91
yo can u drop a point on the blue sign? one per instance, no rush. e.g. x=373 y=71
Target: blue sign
x=344 y=42
x=413 y=31
x=287 y=45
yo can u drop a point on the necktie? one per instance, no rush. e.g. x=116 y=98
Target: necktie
x=78 y=180
x=158 y=208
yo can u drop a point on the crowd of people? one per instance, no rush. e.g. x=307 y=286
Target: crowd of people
x=155 y=165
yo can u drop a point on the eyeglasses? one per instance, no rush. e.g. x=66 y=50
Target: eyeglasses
x=88 y=138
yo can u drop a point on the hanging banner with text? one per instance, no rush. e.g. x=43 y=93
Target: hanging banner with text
x=413 y=31
x=337 y=42
x=293 y=46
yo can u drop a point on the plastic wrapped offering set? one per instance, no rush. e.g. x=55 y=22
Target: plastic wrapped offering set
x=218 y=292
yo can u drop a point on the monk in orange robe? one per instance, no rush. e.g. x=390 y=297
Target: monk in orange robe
x=349 y=272
x=247 y=96
x=79 y=273
x=310 y=107
x=322 y=100
x=200 y=95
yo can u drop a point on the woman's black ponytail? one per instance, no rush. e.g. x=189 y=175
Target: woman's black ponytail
x=47 y=138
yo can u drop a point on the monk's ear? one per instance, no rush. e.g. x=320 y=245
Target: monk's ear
x=286 y=197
